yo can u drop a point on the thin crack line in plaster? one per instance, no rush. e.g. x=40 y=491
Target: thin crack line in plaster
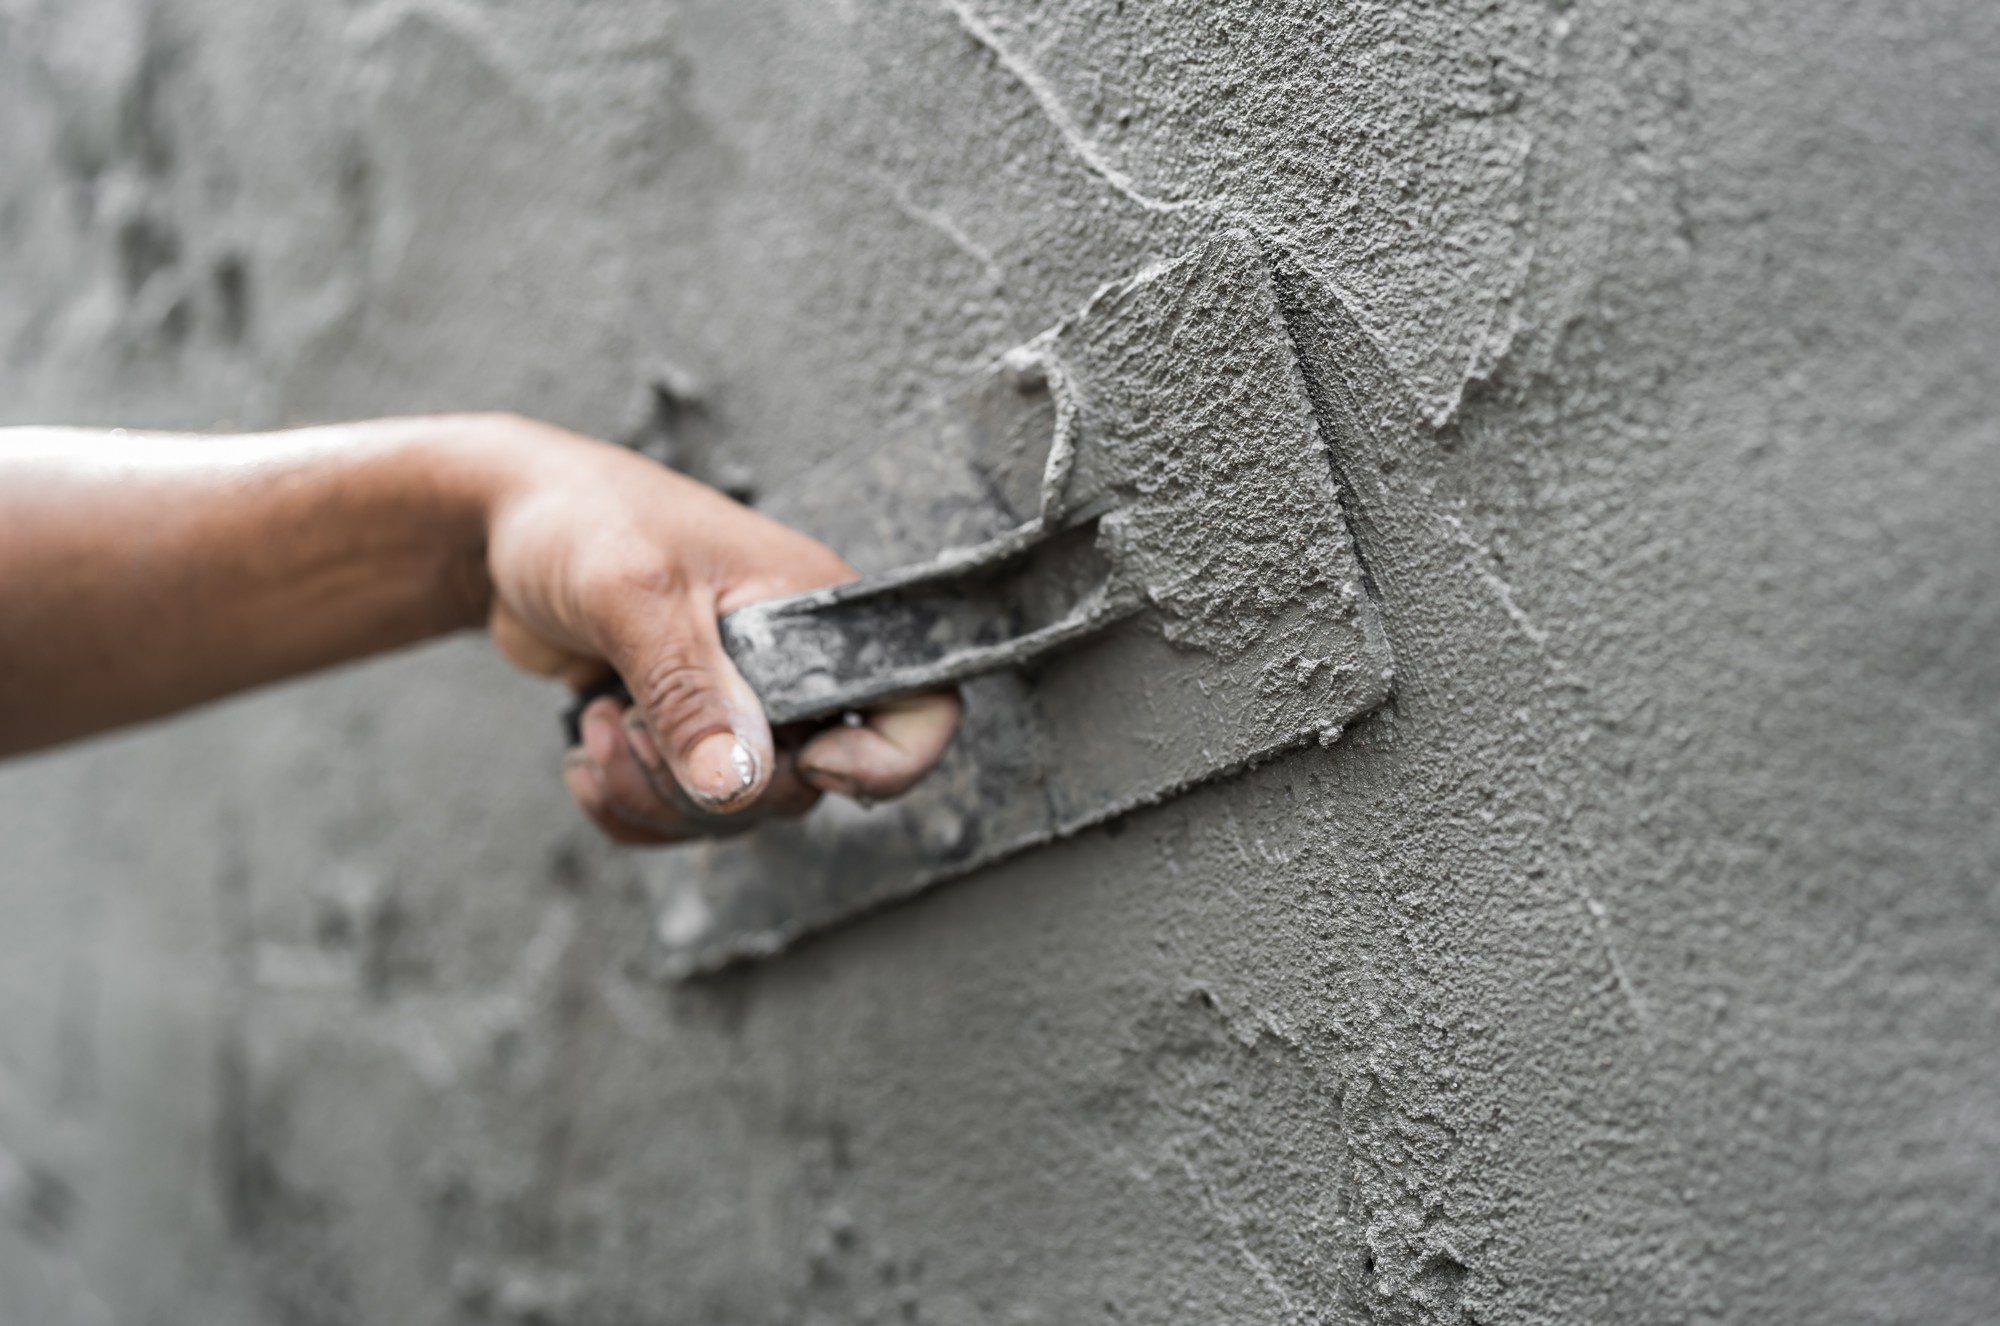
x=1600 y=919
x=1232 y=1220
x=1503 y=592
x=1602 y=922
x=1058 y=115
x=942 y=222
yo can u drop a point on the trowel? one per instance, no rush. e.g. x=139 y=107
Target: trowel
x=1171 y=595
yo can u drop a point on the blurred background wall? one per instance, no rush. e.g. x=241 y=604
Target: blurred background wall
x=1641 y=965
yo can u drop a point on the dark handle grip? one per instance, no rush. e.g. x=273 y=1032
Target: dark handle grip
x=926 y=627
x=572 y=714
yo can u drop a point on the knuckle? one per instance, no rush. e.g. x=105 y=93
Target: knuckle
x=611 y=584
x=825 y=566
x=674 y=690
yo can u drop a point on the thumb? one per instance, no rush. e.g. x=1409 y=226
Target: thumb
x=704 y=726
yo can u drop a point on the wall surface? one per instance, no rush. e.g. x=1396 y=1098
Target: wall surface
x=1640 y=964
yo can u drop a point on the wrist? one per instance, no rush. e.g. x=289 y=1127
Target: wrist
x=482 y=469
x=469 y=469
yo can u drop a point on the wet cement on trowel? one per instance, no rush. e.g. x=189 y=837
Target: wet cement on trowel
x=1230 y=623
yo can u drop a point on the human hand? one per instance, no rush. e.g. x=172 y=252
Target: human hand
x=602 y=561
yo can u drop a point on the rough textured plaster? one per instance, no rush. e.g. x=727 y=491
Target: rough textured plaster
x=1638 y=966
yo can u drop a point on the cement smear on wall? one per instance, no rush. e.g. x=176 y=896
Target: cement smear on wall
x=1637 y=966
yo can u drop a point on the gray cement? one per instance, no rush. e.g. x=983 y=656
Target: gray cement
x=1637 y=965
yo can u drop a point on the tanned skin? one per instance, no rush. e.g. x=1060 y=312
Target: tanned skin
x=142 y=573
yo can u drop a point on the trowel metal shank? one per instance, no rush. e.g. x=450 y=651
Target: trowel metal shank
x=1003 y=603
x=999 y=604
x=1169 y=593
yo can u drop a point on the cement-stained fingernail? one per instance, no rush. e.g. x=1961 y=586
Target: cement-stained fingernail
x=720 y=769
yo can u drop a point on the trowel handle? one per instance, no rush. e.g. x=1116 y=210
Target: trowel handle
x=571 y=717
x=975 y=610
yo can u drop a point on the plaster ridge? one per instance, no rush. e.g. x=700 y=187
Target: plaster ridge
x=1295 y=261
x=1335 y=407
x=1503 y=326
x=375 y=23
x=1080 y=144
x=372 y=29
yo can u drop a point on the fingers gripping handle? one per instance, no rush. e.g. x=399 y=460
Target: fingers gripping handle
x=572 y=714
x=975 y=610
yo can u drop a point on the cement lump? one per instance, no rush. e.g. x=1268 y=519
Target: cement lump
x=1227 y=536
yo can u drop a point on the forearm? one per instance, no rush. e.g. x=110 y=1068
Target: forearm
x=143 y=573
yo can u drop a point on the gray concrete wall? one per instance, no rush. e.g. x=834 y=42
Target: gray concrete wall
x=1642 y=965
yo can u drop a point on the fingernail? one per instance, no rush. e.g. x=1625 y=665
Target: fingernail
x=600 y=737
x=720 y=769
x=643 y=746
x=580 y=776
